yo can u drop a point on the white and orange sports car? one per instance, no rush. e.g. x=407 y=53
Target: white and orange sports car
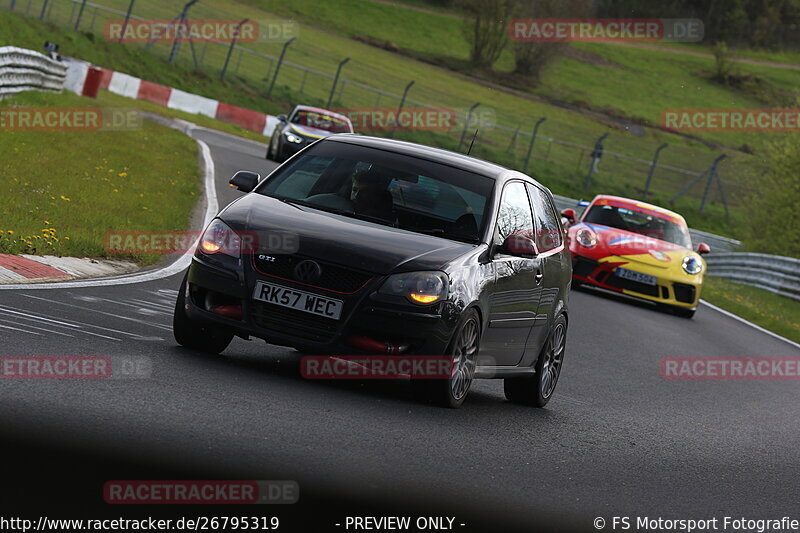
x=637 y=249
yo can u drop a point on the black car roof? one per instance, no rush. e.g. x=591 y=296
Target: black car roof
x=438 y=155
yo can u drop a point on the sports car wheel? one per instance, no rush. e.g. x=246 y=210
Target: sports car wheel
x=208 y=338
x=463 y=350
x=538 y=390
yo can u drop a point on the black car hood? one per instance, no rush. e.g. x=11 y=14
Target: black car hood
x=342 y=240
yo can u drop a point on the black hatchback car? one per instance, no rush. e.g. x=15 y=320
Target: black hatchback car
x=361 y=245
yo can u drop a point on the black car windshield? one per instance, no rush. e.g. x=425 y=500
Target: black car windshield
x=387 y=188
x=635 y=221
x=321 y=121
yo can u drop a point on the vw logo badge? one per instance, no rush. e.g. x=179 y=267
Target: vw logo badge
x=307 y=271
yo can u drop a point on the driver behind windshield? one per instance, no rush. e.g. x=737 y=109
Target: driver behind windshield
x=369 y=195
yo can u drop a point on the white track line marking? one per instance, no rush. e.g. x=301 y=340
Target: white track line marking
x=78 y=326
x=742 y=320
x=40 y=328
x=22 y=330
x=121 y=317
x=180 y=264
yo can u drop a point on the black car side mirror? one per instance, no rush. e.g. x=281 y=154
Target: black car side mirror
x=282 y=118
x=244 y=180
x=519 y=243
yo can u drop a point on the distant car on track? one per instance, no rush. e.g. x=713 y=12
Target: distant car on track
x=303 y=126
x=636 y=249
x=400 y=249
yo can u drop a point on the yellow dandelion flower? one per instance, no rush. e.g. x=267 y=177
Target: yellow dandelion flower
x=122 y=174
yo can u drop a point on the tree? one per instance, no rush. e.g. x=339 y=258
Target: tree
x=486 y=29
x=530 y=58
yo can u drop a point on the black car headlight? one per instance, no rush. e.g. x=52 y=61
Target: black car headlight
x=692 y=265
x=422 y=288
x=292 y=138
x=218 y=238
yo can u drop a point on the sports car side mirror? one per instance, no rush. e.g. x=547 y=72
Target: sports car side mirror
x=569 y=214
x=244 y=180
x=282 y=118
x=703 y=248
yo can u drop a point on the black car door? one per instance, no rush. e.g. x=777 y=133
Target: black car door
x=549 y=244
x=514 y=298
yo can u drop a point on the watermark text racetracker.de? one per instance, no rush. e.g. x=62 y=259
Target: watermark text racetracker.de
x=554 y=30
x=69 y=119
x=67 y=367
x=202 y=492
x=199 y=31
x=730 y=368
x=691 y=525
x=731 y=120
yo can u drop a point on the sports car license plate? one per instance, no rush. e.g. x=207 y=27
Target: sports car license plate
x=636 y=276
x=300 y=300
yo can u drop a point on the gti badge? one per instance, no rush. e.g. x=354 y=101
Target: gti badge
x=268 y=258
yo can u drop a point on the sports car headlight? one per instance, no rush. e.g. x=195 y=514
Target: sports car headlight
x=692 y=265
x=292 y=138
x=422 y=288
x=218 y=238
x=586 y=237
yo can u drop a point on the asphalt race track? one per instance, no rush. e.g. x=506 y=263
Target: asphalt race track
x=617 y=439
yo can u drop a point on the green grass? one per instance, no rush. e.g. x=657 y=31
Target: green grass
x=770 y=311
x=64 y=190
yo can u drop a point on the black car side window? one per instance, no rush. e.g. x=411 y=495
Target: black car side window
x=548 y=228
x=514 y=215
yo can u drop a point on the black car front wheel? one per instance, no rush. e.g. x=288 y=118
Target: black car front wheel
x=463 y=352
x=208 y=338
x=538 y=390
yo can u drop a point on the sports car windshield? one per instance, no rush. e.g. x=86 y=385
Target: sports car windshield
x=640 y=222
x=321 y=121
x=386 y=188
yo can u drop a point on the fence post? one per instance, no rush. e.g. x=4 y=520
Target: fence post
x=336 y=80
x=466 y=125
x=230 y=49
x=598 y=149
x=181 y=18
x=400 y=107
x=278 y=66
x=530 y=146
x=44 y=10
x=652 y=169
x=80 y=14
x=11 y=5
x=127 y=18
x=712 y=175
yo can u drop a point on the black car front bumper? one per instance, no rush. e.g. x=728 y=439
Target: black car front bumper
x=426 y=331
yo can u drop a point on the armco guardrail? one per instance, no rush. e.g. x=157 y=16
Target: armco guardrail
x=716 y=242
x=774 y=273
x=26 y=70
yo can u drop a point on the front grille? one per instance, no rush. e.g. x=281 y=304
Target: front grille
x=635 y=286
x=583 y=267
x=684 y=293
x=293 y=322
x=334 y=278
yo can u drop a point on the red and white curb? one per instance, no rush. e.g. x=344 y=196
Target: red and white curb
x=132 y=87
x=44 y=268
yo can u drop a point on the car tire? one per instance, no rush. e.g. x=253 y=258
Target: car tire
x=464 y=349
x=270 y=148
x=207 y=338
x=538 y=390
